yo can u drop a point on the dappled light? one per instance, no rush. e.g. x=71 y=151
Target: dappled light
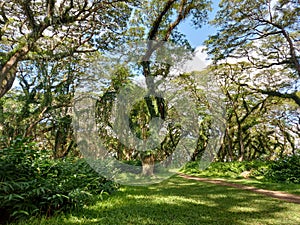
x=180 y=201
x=149 y=112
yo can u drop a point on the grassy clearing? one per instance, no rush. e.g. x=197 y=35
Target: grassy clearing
x=180 y=201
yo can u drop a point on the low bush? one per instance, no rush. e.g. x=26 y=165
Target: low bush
x=31 y=183
x=286 y=170
x=227 y=169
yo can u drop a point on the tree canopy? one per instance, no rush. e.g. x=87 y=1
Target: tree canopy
x=51 y=29
x=53 y=46
x=256 y=56
x=264 y=37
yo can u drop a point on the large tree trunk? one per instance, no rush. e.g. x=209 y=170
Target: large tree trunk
x=8 y=70
x=6 y=80
x=148 y=165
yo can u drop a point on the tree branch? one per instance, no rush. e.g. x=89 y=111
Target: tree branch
x=292 y=96
x=29 y=14
x=290 y=42
x=8 y=70
x=155 y=26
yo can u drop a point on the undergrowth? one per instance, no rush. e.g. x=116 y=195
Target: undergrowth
x=285 y=170
x=33 y=184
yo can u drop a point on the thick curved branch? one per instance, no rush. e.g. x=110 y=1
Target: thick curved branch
x=290 y=43
x=29 y=13
x=292 y=96
x=155 y=27
x=2 y=13
x=8 y=70
x=183 y=12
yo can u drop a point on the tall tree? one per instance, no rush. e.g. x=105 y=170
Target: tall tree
x=256 y=52
x=156 y=22
x=159 y=21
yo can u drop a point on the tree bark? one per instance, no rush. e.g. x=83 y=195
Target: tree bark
x=148 y=165
x=9 y=69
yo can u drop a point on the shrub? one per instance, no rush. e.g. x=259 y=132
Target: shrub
x=31 y=183
x=286 y=170
x=228 y=169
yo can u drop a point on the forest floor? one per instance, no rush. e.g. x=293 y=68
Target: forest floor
x=270 y=193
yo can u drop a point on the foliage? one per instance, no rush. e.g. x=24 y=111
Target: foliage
x=228 y=169
x=285 y=170
x=32 y=30
x=31 y=183
x=40 y=106
x=264 y=32
x=258 y=126
x=158 y=20
x=255 y=54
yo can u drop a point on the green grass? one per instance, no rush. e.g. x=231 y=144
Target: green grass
x=289 y=188
x=255 y=182
x=180 y=201
x=231 y=172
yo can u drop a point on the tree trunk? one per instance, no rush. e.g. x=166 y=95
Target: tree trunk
x=148 y=165
x=6 y=81
x=8 y=70
x=240 y=141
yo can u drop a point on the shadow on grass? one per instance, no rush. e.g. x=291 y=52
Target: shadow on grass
x=179 y=201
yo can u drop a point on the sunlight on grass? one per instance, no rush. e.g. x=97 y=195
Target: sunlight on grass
x=140 y=180
x=179 y=201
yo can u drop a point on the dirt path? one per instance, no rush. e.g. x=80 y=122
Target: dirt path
x=275 y=194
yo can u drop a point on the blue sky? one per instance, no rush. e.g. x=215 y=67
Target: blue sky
x=197 y=36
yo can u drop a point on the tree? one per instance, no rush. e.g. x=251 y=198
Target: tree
x=256 y=56
x=265 y=34
x=254 y=121
x=52 y=29
x=159 y=23
x=39 y=108
x=156 y=22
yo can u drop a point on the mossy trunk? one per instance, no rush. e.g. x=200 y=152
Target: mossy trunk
x=148 y=165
